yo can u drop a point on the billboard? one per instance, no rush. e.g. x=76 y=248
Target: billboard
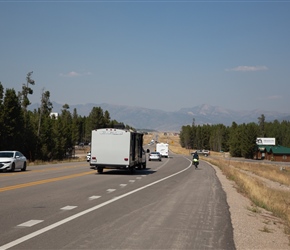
x=266 y=141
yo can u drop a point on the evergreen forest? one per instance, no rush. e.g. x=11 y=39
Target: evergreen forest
x=238 y=140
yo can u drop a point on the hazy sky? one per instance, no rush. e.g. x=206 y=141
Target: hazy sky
x=155 y=54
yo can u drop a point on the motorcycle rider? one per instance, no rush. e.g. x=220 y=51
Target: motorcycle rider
x=195 y=155
x=195 y=159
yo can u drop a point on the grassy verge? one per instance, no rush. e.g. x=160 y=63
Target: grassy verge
x=78 y=159
x=275 y=200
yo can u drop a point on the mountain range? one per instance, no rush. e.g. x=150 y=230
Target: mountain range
x=155 y=119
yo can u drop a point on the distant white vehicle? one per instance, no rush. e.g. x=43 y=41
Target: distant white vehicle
x=151 y=142
x=162 y=148
x=155 y=156
x=205 y=152
x=202 y=152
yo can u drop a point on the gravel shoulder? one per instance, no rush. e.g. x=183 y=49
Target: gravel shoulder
x=252 y=229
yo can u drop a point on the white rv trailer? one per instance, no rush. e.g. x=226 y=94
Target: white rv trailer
x=162 y=148
x=117 y=149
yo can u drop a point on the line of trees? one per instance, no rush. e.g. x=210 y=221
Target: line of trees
x=239 y=140
x=37 y=134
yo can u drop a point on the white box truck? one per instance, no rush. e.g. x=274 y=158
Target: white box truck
x=162 y=148
x=117 y=149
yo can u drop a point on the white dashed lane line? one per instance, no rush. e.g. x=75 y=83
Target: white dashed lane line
x=111 y=190
x=94 y=197
x=69 y=208
x=30 y=223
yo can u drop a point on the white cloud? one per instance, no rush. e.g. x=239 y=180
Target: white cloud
x=70 y=74
x=271 y=97
x=274 y=97
x=248 y=68
x=75 y=74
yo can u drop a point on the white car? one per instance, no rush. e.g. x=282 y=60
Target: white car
x=11 y=160
x=155 y=156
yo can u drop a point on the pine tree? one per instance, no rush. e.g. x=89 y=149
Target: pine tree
x=248 y=139
x=1 y=112
x=26 y=90
x=44 y=123
x=235 y=140
x=12 y=127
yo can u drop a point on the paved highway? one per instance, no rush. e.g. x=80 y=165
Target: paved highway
x=170 y=205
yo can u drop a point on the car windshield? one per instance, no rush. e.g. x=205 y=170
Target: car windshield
x=6 y=154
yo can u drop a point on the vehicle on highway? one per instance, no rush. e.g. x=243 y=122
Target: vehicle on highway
x=151 y=142
x=114 y=148
x=162 y=148
x=154 y=156
x=88 y=156
x=12 y=160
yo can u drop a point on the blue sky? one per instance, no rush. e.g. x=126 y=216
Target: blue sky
x=155 y=54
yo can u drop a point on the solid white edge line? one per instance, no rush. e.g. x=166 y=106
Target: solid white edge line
x=59 y=223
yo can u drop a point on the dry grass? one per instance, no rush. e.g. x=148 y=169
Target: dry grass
x=272 y=199
x=271 y=172
x=247 y=176
x=266 y=230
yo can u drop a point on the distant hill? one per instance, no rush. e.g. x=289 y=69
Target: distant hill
x=154 y=119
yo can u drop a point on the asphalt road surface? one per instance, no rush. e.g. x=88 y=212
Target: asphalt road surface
x=170 y=205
